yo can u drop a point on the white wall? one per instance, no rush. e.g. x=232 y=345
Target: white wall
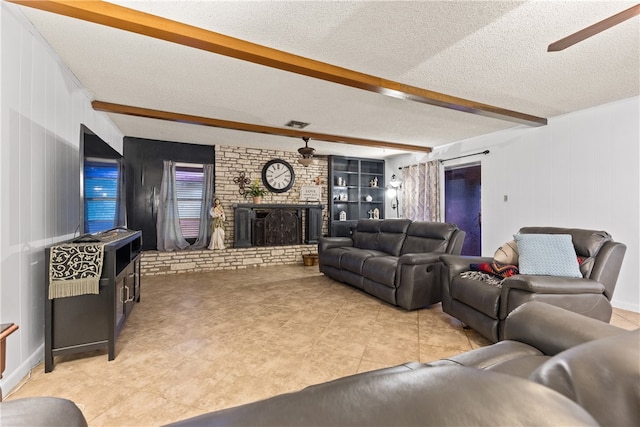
x=581 y=170
x=42 y=107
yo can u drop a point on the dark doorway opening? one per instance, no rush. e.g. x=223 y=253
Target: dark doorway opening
x=463 y=204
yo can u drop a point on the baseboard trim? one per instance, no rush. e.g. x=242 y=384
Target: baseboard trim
x=10 y=381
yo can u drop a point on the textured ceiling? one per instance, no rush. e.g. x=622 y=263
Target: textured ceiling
x=486 y=51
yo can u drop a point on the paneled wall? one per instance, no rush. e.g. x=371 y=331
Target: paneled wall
x=42 y=107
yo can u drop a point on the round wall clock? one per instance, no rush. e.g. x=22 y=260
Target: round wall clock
x=278 y=176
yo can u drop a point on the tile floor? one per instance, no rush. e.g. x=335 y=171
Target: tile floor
x=202 y=342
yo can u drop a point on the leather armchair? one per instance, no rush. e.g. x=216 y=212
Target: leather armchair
x=484 y=307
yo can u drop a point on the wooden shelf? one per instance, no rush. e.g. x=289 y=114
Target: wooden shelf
x=352 y=177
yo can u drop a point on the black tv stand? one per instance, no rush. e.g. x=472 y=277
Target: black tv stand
x=90 y=322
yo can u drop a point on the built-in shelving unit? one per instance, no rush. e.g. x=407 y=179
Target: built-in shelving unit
x=356 y=191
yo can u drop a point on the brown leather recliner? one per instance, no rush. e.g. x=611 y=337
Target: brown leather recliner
x=483 y=306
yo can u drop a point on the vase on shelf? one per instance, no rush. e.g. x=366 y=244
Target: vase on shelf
x=257 y=200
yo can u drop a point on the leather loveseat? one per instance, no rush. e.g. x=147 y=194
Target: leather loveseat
x=555 y=368
x=396 y=260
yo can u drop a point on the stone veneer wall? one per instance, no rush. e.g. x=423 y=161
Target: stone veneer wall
x=230 y=161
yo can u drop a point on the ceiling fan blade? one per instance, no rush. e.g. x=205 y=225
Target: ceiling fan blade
x=594 y=29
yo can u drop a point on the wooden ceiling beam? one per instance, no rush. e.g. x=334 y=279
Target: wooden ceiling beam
x=248 y=127
x=138 y=22
x=594 y=29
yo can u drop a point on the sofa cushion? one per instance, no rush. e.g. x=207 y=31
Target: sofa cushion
x=427 y=236
x=547 y=254
x=381 y=269
x=365 y=235
x=392 y=235
x=493 y=356
x=477 y=294
x=602 y=376
x=353 y=261
x=333 y=256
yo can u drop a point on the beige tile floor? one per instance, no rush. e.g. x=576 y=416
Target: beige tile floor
x=202 y=342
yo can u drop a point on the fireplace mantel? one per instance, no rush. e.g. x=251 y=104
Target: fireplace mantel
x=276 y=224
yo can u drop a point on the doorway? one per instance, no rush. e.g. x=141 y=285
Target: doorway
x=462 y=185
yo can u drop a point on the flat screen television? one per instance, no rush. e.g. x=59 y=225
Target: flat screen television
x=102 y=194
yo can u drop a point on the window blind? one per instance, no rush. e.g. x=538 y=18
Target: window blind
x=189 y=195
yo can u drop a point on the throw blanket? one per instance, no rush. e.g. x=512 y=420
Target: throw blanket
x=75 y=269
x=501 y=270
x=491 y=273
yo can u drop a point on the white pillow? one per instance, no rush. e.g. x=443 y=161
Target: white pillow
x=547 y=255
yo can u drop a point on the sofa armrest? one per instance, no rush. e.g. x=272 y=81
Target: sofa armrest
x=456 y=264
x=41 y=411
x=419 y=259
x=553 y=329
x=418 y=280
x=552 y=284
x=325 y=243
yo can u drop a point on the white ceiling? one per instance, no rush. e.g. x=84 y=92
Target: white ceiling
x=491 y=52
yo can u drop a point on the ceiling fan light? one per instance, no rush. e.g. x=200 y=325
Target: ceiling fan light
x=306 y=152
x=305 y=161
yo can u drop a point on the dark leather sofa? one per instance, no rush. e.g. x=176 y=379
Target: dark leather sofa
x=555 y=368
x=484 y=307
x=396 y=260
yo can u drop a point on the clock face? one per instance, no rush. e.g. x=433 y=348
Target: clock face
x=278 y=176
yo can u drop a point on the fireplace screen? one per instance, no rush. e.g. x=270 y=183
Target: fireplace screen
x=277 y=227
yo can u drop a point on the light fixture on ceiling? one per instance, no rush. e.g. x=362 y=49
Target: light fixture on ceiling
x=306 y=152
x=296 y=124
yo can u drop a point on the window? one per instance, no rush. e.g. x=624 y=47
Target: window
x=100 y=193
x=189 y=193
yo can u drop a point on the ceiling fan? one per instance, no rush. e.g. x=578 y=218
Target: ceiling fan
x=594 y=29
x=306 y=152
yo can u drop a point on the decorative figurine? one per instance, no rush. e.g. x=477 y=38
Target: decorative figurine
x=242 y=180
x=374 y=182
x=368 y=198
x=217 y=225
x=370 y=212
x=376 y=213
